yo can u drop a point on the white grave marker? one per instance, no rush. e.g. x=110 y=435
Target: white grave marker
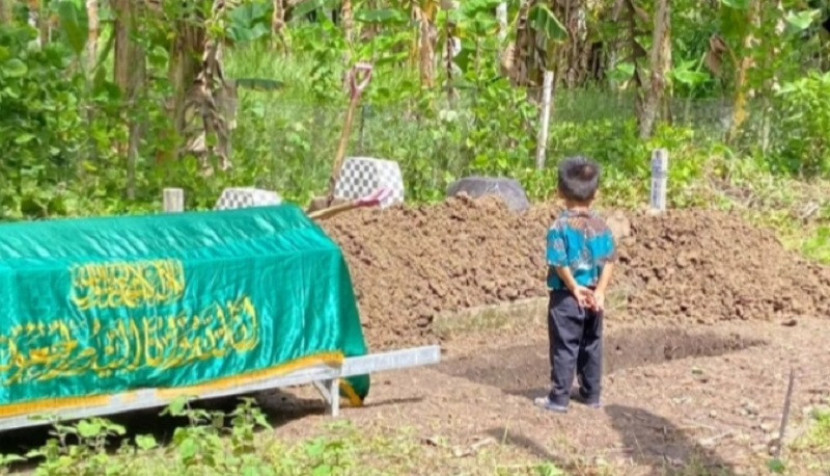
x=659 y=179
x=362 y=176
x=244 y=197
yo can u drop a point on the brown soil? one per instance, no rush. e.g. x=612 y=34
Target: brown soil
x=410 y=264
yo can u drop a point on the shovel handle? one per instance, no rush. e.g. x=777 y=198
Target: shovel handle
x=359 y=79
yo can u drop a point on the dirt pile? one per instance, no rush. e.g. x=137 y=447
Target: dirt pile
x=410 y=264
x=707 y=266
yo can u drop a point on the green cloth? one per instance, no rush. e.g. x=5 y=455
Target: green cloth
x=106 y=305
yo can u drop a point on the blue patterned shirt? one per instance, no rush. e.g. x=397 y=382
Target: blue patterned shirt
x=581 y=241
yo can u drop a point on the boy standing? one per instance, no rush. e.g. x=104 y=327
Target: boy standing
x=580 y=254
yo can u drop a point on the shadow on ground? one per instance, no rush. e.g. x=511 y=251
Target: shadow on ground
x=653 y=441
x=523 y=370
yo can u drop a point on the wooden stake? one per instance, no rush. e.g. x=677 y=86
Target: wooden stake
x=542 y=140
x=785 y=417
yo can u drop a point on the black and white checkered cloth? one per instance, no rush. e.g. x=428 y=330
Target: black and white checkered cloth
x=245 y=197
x=362 y=176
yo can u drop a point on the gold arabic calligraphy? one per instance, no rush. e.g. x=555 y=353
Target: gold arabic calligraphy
x=127 y=285
x=42 y=352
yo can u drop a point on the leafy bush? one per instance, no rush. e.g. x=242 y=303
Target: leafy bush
x=801 y=142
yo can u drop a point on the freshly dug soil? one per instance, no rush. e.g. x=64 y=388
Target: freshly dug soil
x=411 y=263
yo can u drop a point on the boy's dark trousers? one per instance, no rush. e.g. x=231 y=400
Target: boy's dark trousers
x=575 y=347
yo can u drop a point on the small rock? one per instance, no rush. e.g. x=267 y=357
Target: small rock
x=766 y=427
x=713 y=414
x=751 y=408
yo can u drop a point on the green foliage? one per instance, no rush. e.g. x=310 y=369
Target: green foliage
x=64 y=129
x=204 y=446
x=42 y=132
x=549 y=469
x=803 y=121
x=811 y=451
x=74 y=24
x=817 y=246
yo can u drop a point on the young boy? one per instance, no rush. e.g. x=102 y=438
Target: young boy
x=580 y=254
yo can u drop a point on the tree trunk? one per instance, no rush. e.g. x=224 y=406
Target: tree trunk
x=185 y=63
x=426 y=45
x=5 y=11
x=501 y=17
x=94 y=33
x=123 y=24
x=637 y=54
x=129 y=75
x=575 y=58
x=739 y=107
x=44 y=24
x=524 y=51
x=660 y=68
x=278 y=23
x=453 y=48
x=348 y=22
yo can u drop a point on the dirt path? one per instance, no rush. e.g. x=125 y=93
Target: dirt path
x=709 y=397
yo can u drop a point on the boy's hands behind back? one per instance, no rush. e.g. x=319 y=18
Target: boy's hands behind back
x=584 y=296
x=598 y=303
x=593 y=300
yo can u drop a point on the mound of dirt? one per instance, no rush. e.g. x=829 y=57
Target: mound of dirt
x=706 y=266
x=410 y=264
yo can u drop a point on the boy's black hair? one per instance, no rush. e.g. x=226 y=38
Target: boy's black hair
x=579 y=179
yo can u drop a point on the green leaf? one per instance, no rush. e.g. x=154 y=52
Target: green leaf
x=24 y=139
x=622 y=72
x=543 y=19
x=323 y=470
x=689 y=78
x=145 y=442
x=188 y=449
x=71 y=21
x=736 y=4
x=89 y=429
x=776 y=466
x=802 y=20
x=385 y=16
x=15 y=68
x=176 y=407
x=308 y=6
x=316 y=448
x=7 y=459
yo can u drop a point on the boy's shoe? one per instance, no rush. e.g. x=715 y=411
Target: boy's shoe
x=595 y=404
x=547 y=404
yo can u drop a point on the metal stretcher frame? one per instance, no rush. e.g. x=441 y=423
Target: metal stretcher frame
x=324 y=377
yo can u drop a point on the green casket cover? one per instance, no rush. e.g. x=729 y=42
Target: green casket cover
x=102 y=306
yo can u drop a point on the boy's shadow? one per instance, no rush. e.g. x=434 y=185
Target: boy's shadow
x=654 y=441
